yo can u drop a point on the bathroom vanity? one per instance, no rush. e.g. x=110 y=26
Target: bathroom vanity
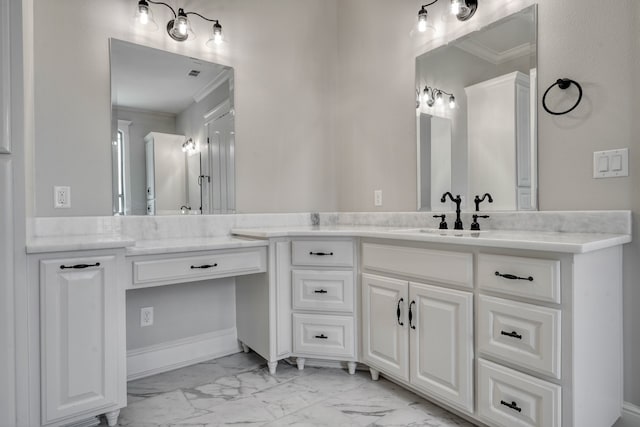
x=502 y=327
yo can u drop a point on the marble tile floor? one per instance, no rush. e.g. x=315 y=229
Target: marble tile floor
x=238 y=390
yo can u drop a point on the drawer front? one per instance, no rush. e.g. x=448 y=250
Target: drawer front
x=441 y=266
x=526 y=277
x=201 y=267
x=323 y=335
x=524 y=334
x=333 y=253
x=323 y=290
x=509 y=398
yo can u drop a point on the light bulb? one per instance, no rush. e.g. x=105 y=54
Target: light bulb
x=439 y=98
x=217 y=33
x=455 y=7
x=144 y=18
x=422 y=20
x=452 y=102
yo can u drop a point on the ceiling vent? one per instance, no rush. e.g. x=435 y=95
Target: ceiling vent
x=194 y=73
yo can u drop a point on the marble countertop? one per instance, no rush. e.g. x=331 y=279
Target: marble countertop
x=78 y=243
x=533 y=240
x=162 y=246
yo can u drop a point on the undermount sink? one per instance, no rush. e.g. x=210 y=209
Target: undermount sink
x=436 y=231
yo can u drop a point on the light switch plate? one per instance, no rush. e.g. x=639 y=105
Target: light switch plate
x=611 y=163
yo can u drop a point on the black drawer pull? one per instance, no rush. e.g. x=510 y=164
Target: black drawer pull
x=321 y=253
x=79 y=266
x=321 y=337
x=398 y=312
x=513 y=334
x=512 y=277
x=204 y=266
x=411 y=315
x=512 y=405
x=320 y=291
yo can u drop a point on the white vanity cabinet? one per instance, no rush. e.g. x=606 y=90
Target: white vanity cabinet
x=322 y=301
x=82 y=336
x=507 y=337
x=420 y=333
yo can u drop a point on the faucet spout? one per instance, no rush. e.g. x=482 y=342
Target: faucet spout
x=457 y=200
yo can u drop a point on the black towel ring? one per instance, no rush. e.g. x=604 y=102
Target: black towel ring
x=562 y=84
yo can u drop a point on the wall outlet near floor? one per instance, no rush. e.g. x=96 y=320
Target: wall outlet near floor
x=377 y=197
x=61 y=197
x=146 y=316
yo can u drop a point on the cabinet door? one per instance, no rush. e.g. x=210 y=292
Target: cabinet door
x=79 y=309
x=384 y=337
x=442 y=343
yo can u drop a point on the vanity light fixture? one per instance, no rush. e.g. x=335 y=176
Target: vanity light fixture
x=178 y=28
x=189 y=146
x=433 y=95
x=462 y=9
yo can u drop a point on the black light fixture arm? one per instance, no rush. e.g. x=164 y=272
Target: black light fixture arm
x=197 y=14
x=429 y=4
x=175 y=15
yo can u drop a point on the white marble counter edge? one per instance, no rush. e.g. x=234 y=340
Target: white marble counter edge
x=77 y=243
x=176 y=245
x=519 y=241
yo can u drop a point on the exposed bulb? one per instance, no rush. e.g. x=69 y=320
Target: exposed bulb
x=452 y=102
x=422 y=20
x=217 y=33
x=455 y=7
x=144 y=18
x=439 y=98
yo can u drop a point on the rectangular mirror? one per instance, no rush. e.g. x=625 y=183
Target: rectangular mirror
x=476 y=117
x=173 y=138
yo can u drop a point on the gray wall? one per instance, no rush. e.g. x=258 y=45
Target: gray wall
x=180 y=311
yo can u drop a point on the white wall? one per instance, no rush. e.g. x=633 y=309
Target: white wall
x=593 y=42
x=283 y=52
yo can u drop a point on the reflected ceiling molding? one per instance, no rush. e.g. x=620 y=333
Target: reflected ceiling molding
x=494 y=56
x=219 y=80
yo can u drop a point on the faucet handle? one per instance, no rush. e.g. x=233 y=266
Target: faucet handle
x=443 y=224
x=474 y=225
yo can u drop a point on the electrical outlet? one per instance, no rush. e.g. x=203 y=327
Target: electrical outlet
x=61 y=197
x=377 y=197
x=146 y=316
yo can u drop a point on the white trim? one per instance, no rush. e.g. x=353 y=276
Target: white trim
x=630 y=416
x=493 y=56
x=5 y=78
x=212 y=85
x=217 y=111
x=159 y=358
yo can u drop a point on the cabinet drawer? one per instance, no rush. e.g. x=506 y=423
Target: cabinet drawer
x=509 y=398
x=524 y=334
x=323 y=290
x=441 y=266
x=323 y=335
x=334 y=253
x=526 y=277
x=200 y=267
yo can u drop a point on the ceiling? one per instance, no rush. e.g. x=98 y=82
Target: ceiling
x=154 y=80
x=502 y=42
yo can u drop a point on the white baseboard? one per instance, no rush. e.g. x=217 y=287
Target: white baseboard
x=164 y=357
x=630 y=416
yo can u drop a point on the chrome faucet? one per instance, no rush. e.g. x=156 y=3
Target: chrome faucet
x=457 y=200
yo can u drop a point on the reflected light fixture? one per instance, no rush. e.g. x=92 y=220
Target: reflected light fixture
x=462 y=9
x=189 y=146
x=434 y=96
x=178 y=28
